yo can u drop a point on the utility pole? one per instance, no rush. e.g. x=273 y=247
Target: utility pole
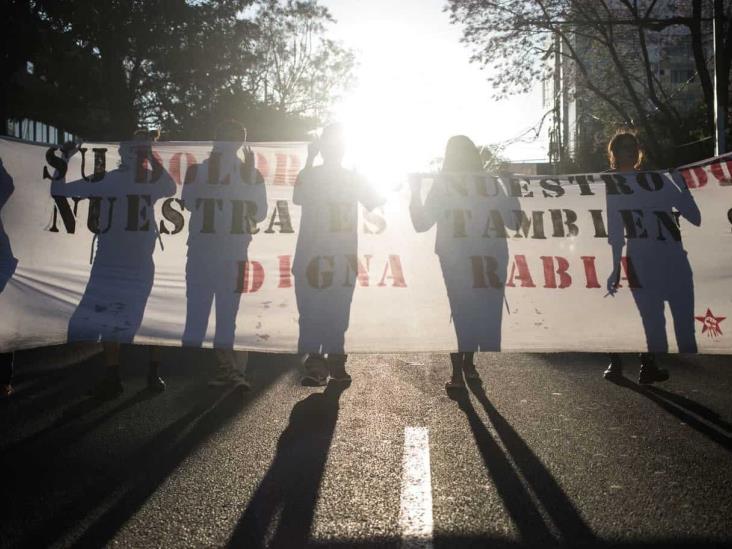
x=721 y=95
x=558 y=104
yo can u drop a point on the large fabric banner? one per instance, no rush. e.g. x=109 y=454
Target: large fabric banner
x=202 y=244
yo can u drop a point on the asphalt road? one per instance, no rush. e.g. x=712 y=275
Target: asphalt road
x=546 y=454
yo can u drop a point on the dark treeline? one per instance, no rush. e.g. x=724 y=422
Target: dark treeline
x=102 y=69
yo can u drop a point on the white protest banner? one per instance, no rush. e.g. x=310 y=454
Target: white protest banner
x=183 y=244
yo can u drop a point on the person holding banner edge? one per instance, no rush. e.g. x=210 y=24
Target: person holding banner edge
x=661 y=266
x=111 y=385
x=476 y=308
x=213 y=257
x=122 y=273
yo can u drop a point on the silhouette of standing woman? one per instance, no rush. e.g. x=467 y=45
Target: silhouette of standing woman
x=658 y=262
x=476 y=307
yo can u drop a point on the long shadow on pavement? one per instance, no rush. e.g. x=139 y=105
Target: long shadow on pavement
x=291 y=485
x=687 y=410
x=693 y=406
x=516 y=498
x=40 y=392
x=112 y=490
x=65 y=429
x=565 y=516
x=527 y=469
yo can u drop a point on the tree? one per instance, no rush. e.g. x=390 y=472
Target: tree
x=104 y=68
x=205 y=66
x=281 y=74
x=612 y=48
x=300 y=71
x=140 y=45
x=18 y=44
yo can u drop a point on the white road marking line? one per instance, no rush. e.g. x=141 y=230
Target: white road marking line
x=415 y=514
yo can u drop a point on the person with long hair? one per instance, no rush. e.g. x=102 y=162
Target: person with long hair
x=660 y=267
x=476 y=308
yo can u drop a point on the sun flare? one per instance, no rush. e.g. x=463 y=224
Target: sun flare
x=389 y=126
x=383 y=138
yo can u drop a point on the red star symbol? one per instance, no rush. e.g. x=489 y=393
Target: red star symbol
x=710 y=323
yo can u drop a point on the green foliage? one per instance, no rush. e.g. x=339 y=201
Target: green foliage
x=299 y=70
x=104 y=68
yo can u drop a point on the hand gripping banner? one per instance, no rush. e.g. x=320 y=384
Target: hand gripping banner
x=202 y=244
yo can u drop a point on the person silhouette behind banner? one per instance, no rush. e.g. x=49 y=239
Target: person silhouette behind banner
x=467 y=256
x=8 y=263
x=221 y=188
x=329 y=196
x=122 y=274
x=658 y=268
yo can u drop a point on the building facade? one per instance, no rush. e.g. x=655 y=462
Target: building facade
x=580 y=120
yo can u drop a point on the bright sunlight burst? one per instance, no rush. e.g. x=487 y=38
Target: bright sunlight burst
x=387 y=127
x=415 y=88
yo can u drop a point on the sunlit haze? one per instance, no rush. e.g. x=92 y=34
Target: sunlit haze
x=416 y=87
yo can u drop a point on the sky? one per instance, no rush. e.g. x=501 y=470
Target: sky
x=416 y=87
